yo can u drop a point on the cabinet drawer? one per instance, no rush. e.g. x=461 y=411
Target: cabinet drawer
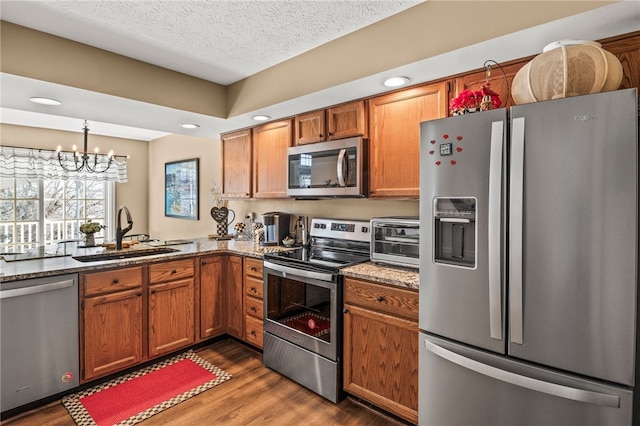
x=253 y=287
x=171 y=270
x=253 y=307
x=382 y=298
x=114 y=280
x=253 y=267
x=253 y=331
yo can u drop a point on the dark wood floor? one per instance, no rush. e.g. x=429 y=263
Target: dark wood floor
x=254 y=396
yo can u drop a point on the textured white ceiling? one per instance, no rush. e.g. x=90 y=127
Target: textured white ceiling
x=223 y=41
x=219 y=41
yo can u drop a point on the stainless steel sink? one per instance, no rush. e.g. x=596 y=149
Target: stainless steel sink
x=125 y=254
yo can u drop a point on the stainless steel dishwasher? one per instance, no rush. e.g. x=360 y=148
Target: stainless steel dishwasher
x=39 y=339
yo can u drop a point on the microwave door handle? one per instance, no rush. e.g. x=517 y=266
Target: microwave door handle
x=342 y=167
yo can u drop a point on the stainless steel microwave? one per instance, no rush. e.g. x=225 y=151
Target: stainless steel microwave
x=328 y=169
x=396 y=241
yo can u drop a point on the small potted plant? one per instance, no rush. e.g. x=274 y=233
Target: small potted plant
x=89 y=228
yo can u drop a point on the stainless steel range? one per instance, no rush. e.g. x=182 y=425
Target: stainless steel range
x=303 y=304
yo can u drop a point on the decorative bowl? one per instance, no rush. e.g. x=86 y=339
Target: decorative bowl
x=288 y=242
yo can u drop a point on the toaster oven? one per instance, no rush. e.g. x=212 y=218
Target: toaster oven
x=396 y=240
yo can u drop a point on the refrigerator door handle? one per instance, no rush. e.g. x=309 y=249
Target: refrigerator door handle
x=495 y=209
x=515 y=231
x=575 y=394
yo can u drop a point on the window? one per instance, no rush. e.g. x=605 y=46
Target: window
x=36 y=212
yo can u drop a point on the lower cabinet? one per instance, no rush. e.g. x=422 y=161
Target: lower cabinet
x=234 y=302
x=110 y=321
x=129 y=315
x=171 y=324
x=253 y=315
x=381 y=346
x=211 y=297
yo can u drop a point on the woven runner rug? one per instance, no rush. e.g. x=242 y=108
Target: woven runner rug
x=132 y=398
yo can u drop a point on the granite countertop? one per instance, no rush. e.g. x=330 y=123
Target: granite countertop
x=384 y=274
x=25 y=269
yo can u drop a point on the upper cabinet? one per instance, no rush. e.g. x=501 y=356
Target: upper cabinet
x=497 y=80
x=270 y=143
x=236 y=164
x=394 y=137
x=338 y=122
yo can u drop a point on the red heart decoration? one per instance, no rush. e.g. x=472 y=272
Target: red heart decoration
x=459 y=149
x=459 y=138
x=445 y=136
x=453 y=162
x=433 y=142
x=432 y=152
x=437 y=163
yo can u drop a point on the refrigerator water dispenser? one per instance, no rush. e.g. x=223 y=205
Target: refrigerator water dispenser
x=455 y=231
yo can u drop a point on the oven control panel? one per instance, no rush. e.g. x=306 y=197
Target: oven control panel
x=354 y=230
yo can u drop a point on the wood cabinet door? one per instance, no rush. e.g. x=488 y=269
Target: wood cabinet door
x=499 y=83
x=394 y=138
x=270 y=143
x=347 y=120
x=171 y=324
x=211 y=301
x=236 y=164
x=234 y=292
x=112 y=333
x=310 y=127
x=381 y=360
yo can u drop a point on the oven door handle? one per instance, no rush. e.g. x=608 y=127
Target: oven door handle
x=284 y=270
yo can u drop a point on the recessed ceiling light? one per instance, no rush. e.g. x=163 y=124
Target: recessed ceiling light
x=45 y=101
x=190 y=126
x=261 y=117
x=395 y=81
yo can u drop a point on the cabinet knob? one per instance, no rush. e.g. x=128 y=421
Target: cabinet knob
x=115 y=281
x=330 y=133
x=320 y=135
x=204 y=262
x=173 y=271
x=139 y=293
x=253 y=333
x=253 y=289
x=253 y=269
x=380 y=298
x=154 y=291
x=253 y=308
x=345 y=311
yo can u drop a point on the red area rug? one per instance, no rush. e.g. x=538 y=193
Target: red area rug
x=311 y=324
x=129 y=399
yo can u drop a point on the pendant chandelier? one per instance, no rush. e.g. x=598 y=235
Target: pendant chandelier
x=85 y=161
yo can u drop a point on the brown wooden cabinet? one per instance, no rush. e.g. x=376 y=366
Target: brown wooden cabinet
x=234 y=311
x=394 y=137
x=171 y=317
x=474 y=80
x=337 y=122
x=270 y=143
x=253 y=318
x=381 y=346
x=237 y=164
x=211 y=300
x=111 y=324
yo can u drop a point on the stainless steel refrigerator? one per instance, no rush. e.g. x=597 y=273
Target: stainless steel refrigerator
x=528 y=264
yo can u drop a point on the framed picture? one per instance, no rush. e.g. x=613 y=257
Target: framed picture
x=181 y=189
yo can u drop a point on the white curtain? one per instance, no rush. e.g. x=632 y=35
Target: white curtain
x=44 y=164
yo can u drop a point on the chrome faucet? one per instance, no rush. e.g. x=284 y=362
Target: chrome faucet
x=119 y=231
